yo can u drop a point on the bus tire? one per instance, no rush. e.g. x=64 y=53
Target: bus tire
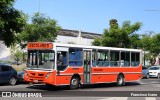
x=120 y=80
x=50 y=85
x=74 y=83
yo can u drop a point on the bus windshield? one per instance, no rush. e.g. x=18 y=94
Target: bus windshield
x=40 y=59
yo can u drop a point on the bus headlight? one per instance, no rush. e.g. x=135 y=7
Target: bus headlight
x=48 y=75
x=25 y=74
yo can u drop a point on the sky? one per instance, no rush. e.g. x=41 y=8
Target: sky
x=94 y=15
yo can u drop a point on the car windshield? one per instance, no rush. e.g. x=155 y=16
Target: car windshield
x=154 y=68
x=40 y=59
x=144 y=67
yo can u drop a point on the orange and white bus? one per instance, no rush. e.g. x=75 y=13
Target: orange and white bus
x=70 y=64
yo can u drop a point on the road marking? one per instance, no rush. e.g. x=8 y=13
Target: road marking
x=149 y=98
x=153 y=82
x=115 y=98
x=126 y=98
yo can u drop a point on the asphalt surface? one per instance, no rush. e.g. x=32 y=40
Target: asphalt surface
x=145 y=89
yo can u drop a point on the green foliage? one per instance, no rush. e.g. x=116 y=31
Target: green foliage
x=113 y=24
x=16 y=53
x=151 y=57
x=155 y=44
x=19 y=68
x=97 y=42
x=11 y=22
x=116 y=36
x=135 y=41
x=24 y=54
x=18 y=56
x=42 y=28
x=146 y=41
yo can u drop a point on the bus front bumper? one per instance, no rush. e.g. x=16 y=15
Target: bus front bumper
x=39 y=77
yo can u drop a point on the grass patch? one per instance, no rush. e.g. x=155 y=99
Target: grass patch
x=19 y=68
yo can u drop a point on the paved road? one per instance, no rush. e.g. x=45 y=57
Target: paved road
x=94 y=92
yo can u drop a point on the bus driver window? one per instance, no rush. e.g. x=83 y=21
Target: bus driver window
x=61 y=60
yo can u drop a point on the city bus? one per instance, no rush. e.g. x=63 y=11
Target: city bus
x=56 y=64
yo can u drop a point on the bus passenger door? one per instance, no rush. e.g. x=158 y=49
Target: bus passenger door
x=87 y=66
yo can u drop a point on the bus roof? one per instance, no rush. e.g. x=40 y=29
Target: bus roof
x=96 y=47
x=32 y=45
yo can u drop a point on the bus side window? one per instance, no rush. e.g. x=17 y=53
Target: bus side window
x=125 y=59
x=114 y=58
x=135 y=59
x=75 y=57
x=94 y=58
x=103 y=59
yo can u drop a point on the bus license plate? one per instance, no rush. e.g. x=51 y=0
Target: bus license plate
x=35 y=81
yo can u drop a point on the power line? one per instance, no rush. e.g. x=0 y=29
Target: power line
x=152 y=10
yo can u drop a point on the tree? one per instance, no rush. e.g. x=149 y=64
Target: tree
x=12 y=22
x=97 y=41
x=116 y=36
x=135 y=41
x=155 y=49
x=42 y=28
x=150 y=42
x=16 y=53
x=146 y=41
x=18 y=56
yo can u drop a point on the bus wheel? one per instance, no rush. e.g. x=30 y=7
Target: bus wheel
x=74 y=84
x=50 y=85
x=120 y=80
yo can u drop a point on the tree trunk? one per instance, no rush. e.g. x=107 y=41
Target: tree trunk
x=152 y=61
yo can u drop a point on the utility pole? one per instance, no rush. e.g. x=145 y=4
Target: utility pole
x=79 y=37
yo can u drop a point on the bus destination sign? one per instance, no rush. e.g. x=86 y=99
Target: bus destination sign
x=39 y=45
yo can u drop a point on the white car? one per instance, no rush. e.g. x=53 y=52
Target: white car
x=154 y=71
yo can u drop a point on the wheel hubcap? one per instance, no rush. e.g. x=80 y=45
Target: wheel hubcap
x=147 y=76
x=120 y=80
x=74 y=82
x=12 y=81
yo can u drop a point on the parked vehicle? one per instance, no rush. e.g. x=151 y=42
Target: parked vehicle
x=8 y=74
x=145 y=72
x=20 y=77
x=154 y=71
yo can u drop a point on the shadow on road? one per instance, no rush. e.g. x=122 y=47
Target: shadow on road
x=61 y=88
x=48 y=88
x=3 y=84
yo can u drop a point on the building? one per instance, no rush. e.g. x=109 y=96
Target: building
x=63 y=36
x=76 y=37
